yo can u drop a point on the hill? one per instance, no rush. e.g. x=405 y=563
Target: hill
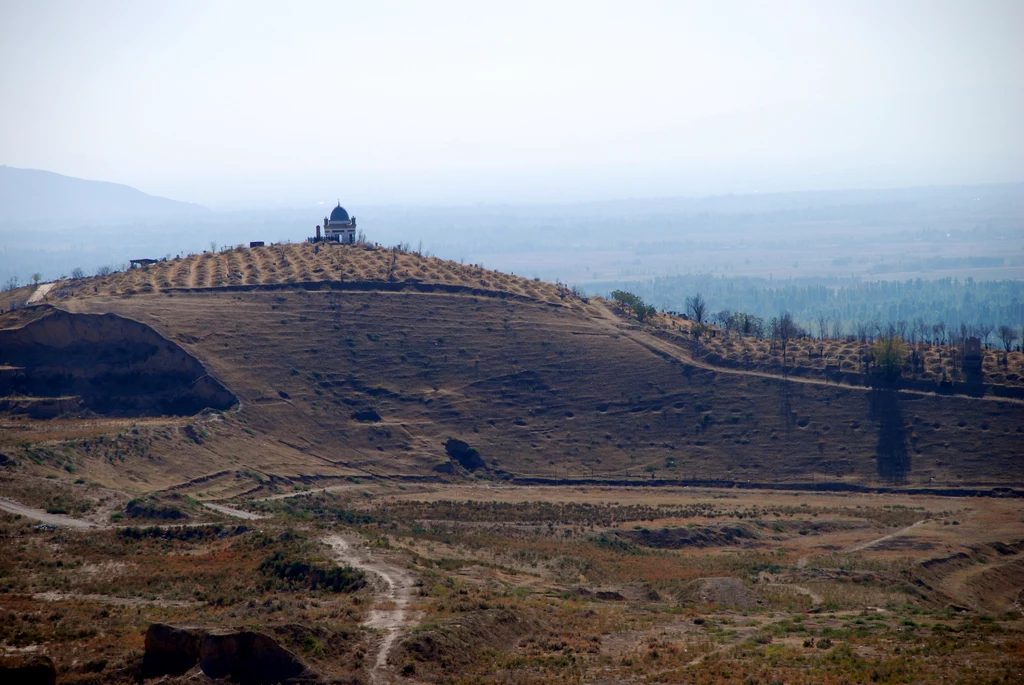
x=368 y=362
x=401 y=468
x=34 y=195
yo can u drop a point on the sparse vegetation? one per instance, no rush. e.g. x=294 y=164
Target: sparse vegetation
x=534 y=468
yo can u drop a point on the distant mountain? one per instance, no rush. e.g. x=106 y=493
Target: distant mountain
x=30 y=194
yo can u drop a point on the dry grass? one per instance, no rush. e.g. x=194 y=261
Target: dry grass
x=543 y=386
x=541 y=391
x=577 y=608
x=302 y=263
x=541 y=593
x=95 y=594
x=518 y=584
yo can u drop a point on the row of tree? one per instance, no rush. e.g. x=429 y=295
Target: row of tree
x=889 y=342
x=851 y=307
x=784 y=327
x=744 y=324
x=13 y=283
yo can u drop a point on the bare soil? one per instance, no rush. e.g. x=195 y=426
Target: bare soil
x=392 y=615
x=634 y=511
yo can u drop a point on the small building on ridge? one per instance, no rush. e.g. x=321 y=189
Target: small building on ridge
x=339 y=227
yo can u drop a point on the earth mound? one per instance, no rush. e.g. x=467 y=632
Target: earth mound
x=725 y=592
x=245 y=657
x=446 y=646
x=104 y=363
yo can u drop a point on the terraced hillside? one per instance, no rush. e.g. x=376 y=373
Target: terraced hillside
x=346 y=366
x=296 y=264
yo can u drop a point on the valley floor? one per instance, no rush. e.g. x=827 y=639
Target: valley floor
x=477 y=582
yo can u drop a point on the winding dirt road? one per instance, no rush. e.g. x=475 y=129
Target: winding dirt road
x=231 y=511
x=393 y=613
x=13 y=507
x=871 y=543
x=816 y=599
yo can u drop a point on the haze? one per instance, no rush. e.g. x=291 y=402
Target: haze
x=234 y=104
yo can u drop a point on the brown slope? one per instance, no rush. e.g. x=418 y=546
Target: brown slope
x=543 y=384
x=543 y=391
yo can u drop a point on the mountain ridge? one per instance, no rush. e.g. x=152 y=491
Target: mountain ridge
x=35 y=194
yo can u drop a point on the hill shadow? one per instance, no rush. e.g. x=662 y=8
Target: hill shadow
x=786 y=413
x=893 y=457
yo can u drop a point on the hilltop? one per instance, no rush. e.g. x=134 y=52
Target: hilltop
x=304 y=265
x=365 y=362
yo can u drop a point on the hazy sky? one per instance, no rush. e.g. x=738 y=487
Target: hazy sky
x=228 y=102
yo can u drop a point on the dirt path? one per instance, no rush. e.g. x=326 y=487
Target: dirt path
x=393 y=614
x=54 y=596
x=816 y=599
x=743 y=634
x=871 y=543
x=300 y=493
x=770 y=581
x=13 y=507
x=231 y=511
x=40 y=292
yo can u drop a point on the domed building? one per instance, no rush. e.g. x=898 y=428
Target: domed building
x=339 y=227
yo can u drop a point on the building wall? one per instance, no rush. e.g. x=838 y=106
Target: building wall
x=344 y=235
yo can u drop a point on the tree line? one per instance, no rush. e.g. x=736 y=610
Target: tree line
x=942 y=312
x=891 y=344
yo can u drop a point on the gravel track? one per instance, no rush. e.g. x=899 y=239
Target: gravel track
x=13 y=507
x=399 y=584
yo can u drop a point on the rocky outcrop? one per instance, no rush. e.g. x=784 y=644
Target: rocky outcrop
x=37 y=670
x=245 y=657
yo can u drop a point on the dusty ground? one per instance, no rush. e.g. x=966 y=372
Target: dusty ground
x=391 y=615
x=599 y=542
x=541 y=393
x=475 y=580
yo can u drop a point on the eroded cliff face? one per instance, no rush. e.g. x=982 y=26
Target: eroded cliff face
x=66 y=363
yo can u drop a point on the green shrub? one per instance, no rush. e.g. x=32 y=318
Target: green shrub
x=297 y=572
